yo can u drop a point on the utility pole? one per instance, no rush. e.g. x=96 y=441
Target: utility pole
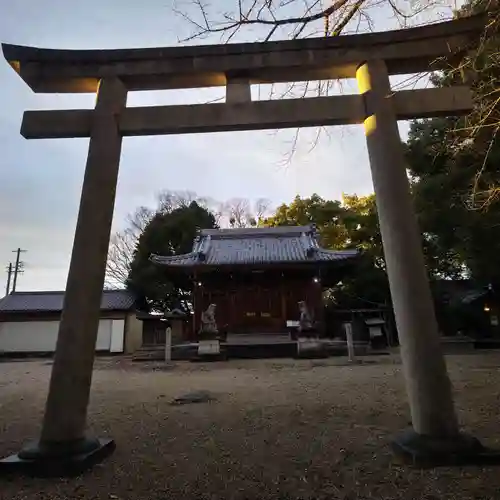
x=17 y=267
x=9 y=275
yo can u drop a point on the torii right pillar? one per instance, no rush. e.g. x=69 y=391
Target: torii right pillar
x=435 y=438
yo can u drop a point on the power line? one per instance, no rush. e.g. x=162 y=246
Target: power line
x=18 y=268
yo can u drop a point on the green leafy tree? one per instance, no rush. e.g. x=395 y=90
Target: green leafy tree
x=346 y=224
x=454 y=166
x=167 y=233
x=367 y=286
x=361 y=222
x=458 y=237
x=325 y=214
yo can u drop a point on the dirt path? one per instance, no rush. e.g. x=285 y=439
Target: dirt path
x=278 y=429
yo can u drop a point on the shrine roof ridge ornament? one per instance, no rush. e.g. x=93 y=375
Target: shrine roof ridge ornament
x=405 y=51
x=252 y=232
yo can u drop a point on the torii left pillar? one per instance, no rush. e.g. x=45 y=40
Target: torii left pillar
x=64 y=448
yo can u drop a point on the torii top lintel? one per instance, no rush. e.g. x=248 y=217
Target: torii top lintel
x=404 y=51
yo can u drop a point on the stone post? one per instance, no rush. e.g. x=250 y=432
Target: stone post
x=350 y=343
x=427 y=382
x=63 y=431
x=168 y=344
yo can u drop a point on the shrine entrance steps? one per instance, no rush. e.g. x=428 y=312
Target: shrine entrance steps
x=260 y=345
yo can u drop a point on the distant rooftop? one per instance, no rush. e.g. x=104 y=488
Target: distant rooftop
x=52 y=301
x=247 y=246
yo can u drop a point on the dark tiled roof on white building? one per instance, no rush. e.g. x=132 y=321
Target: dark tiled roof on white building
x=52 y=301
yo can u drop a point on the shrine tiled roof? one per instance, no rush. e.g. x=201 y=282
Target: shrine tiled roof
x=247 y=246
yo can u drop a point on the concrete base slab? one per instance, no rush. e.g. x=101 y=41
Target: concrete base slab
x=57 y=460
x=422 y=451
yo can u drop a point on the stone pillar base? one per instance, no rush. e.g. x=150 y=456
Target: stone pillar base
x=210 y=350
x=311 y=348
x=422 y=451
x=57 y=459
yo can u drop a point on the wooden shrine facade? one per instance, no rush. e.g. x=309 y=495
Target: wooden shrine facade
x=257 y=276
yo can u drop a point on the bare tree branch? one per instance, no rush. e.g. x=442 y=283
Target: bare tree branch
x=347 y=18
x=300 y=14
x=262 y=209
x=238 y=212
x=479 y=133
x=123 y=243
x=267 y=19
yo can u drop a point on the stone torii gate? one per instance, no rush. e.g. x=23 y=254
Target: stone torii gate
x=435 y=438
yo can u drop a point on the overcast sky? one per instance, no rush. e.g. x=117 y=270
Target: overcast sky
x=40 y=180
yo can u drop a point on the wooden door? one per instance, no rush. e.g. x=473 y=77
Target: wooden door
x=257 y=309
x=153 y=333
x=270 y=310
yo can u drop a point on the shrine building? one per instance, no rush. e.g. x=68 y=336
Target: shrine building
x=257 y=276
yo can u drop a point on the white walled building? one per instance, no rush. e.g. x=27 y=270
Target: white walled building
x=29 y=322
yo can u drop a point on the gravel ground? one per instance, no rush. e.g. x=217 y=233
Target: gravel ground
x=276 y=429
